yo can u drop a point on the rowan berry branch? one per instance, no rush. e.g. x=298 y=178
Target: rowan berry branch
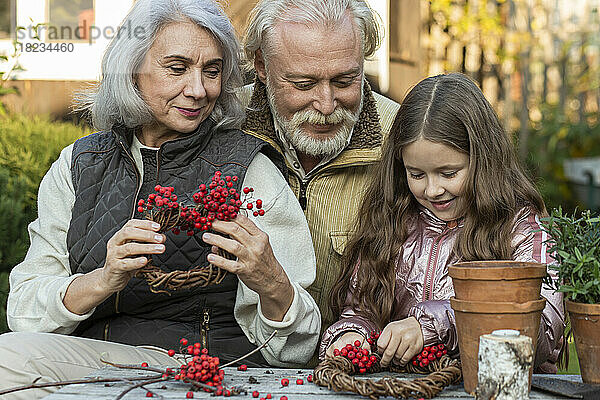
x=146 y=379
x=130 y=366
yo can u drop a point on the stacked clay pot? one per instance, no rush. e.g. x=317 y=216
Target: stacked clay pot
x=585 y=321
x=493 y=295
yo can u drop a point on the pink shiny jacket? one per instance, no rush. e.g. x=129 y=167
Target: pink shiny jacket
x=423 y=287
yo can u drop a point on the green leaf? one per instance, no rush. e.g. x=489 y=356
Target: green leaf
x=575 y=243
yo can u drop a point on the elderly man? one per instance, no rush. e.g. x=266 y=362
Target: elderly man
x=312 y=102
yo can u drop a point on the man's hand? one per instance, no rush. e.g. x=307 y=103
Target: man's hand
x=256 y=264
x=401 y=340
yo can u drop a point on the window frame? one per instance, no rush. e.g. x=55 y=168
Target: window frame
x=10 y=34
x=73 y=39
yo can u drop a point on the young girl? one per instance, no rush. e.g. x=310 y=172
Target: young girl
x=449 y=189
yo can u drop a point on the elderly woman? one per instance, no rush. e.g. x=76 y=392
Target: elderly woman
x=168 y=115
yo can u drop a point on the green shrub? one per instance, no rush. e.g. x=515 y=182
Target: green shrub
x=575 y=243
x=554 y=139
x=28 y=146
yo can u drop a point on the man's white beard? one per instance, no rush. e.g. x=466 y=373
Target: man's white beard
x=302 y=142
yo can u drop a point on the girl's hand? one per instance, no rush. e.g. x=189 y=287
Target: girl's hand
x=123 y=250
x=401 y=340
x=347 y=338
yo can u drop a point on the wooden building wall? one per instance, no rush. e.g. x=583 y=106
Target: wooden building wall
x=405 y=65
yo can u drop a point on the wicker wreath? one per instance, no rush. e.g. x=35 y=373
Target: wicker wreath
x=335 y=373
x=218 y=200
x=198 y=276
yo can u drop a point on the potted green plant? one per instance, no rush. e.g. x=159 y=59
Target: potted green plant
x=575 y=243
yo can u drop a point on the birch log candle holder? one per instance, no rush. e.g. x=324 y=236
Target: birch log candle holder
x=505 y=360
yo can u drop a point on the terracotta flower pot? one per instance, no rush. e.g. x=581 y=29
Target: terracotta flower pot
x=476 y=318
x=506 y=281
x=585 y=320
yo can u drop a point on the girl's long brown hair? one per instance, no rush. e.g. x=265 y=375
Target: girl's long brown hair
x=448 y=109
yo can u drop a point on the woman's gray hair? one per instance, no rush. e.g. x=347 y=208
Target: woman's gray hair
x=267 y=13
x=116 y=99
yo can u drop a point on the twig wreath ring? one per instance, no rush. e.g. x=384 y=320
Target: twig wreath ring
x=216 y=201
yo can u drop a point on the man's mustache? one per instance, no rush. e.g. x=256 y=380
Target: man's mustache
x=339 y=115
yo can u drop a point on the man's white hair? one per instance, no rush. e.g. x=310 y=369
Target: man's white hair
x=268 y=13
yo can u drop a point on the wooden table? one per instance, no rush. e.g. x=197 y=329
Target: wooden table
x=263 y=380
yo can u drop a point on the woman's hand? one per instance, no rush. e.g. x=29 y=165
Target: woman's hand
x=401 y=340
x=256 y=264
x=125 y=250
x=347 y=338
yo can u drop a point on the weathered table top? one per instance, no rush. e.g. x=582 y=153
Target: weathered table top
x=262 y=380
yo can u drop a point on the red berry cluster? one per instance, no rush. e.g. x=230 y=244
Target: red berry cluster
x=218 y=200
x=429 y=354
x=164 y=198
x=200 y=368
x=372 y=339
x=363 y=359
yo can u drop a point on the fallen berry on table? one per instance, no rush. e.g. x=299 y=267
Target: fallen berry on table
x=299 y=382
x=144 y=365
x=255 y=393
x=189 y=395
x=283 y=398
x=285 y=382
x=268 y=396
x=149 y=394
x=243 y=367
x=309 y=378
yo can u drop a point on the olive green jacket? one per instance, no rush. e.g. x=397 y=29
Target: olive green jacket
x=332 y=196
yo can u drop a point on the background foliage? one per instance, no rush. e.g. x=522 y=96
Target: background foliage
x=538 y=63
x=553 y=140
x=28 y=146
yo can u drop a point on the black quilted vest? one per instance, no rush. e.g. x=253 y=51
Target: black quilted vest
x=106 y=186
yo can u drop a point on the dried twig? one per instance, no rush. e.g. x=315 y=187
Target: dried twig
x=140 y=384
x=73 y=382
x=252 y=352
x=132 y=366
